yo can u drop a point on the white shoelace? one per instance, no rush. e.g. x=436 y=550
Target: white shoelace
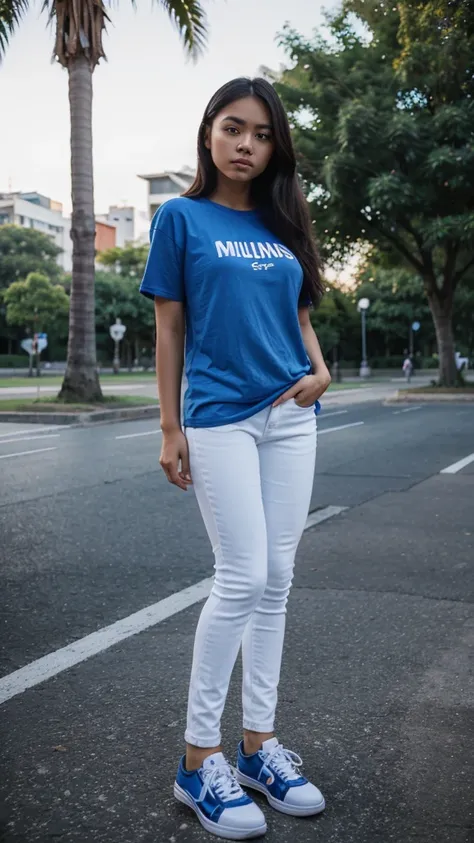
x=222 y=780
x=284 y=762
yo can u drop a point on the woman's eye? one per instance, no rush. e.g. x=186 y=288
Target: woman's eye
x=262 y=136
x=231 y=129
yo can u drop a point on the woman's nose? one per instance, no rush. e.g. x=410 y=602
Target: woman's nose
x=245 y=143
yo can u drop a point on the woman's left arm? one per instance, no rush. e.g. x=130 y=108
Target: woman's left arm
x=313 y=349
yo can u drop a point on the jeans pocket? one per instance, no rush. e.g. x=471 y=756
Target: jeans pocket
x=300 y=407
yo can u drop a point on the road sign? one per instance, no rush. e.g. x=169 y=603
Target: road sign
x=41 y=343
x=416 y=326
x=117 y=331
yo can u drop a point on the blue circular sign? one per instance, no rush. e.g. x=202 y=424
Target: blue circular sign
x=416 y=326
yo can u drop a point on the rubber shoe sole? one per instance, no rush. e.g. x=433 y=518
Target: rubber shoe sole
x=214 y=828
x=292 y=810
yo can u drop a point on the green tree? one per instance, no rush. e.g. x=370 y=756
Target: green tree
x=397 y=299
x=128 y=260
x=37 y=305
x=463 y=318
x=336 y=323
x=383 y=115
x=80 y=25
x=24 y=250
x=117 y=295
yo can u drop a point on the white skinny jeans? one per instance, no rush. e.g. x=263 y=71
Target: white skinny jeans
x=253 y=482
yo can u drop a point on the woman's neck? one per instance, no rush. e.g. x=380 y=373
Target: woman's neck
x=232 y=194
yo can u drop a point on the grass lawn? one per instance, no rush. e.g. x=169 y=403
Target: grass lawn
x=52 y=405
x=56 y=380
x=343 y=385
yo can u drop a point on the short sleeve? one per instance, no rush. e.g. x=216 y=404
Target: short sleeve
x=164 y=270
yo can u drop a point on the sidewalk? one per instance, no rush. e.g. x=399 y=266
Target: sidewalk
x=377 y=694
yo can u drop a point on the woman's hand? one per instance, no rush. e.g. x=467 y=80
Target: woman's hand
x=307 y=390
x=174 y=458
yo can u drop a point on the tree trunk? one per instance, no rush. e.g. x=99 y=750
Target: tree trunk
x=81 y=381
x=442 y=313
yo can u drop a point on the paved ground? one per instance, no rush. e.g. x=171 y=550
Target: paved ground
x=377 y=691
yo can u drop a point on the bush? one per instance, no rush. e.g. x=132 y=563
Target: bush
x=393 y=362
x=430 y=363
x=145 y=362
x=346 y=364
x=14 y=361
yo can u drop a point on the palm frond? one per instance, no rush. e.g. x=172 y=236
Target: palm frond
x=190 y=20
x=11 y=13
x=80 y=25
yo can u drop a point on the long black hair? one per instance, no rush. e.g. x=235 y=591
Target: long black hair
x=276 y=192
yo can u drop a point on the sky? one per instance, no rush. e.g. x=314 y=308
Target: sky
x=148 y=99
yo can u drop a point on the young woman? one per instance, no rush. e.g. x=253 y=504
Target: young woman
x=232 y=270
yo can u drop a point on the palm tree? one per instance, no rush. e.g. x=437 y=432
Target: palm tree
x=80 y=25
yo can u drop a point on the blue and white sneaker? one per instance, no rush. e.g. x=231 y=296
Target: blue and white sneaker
x=273 y=771
x=219 y=802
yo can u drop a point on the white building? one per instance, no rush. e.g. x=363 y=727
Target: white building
x=130 y=224
x=33 y=210
x=167 y=185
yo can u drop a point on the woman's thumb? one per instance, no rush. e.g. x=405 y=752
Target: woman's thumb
x=185 y=467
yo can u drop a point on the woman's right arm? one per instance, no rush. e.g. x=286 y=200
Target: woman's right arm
x=170 y=331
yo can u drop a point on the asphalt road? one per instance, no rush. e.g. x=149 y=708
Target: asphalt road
x=377 y=691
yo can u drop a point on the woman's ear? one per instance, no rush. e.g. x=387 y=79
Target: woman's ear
x=207 y=137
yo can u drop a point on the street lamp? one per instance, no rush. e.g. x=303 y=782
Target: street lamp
x=414 y=327
x=362 y=306
x=117 y=332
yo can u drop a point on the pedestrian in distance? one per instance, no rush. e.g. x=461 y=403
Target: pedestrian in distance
x=233 y=270
x=408 y=368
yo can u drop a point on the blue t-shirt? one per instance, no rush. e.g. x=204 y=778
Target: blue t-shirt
x=240 y=287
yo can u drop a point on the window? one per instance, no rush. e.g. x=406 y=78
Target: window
x=163 y=185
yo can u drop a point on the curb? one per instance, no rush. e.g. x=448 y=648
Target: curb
x=430 y=397
x=148 y=411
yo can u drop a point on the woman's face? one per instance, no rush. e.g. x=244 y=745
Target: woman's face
x=241 y=139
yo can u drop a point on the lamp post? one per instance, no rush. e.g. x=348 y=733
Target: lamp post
x=362 y=306
x=117 y=332
x=414 y=327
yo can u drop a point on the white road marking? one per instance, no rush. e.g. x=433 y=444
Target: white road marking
x=407 y=410
x=457 y=466
x=82 y=649
x=323 y=514
x=340 y=427
x=24 y=453
x=133 y=435
x=33 y=430
x=30 y=438
x=335 y=413
x=97 y=642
